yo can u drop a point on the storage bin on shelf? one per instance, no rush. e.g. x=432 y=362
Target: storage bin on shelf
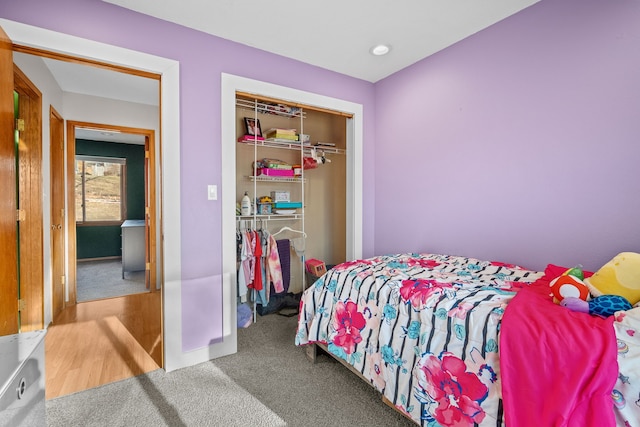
x=286 y=208
x=273 y=164
x=273 y=167
x=287 y=205
x=264 y=209
x=275 y=172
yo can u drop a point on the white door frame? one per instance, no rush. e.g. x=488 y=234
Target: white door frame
x=232 y=84
x=168 y=160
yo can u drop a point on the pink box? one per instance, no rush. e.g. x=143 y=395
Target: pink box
x=250 y=138
x=275 y=172
x=316 y=267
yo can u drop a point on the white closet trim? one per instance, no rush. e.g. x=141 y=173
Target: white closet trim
x=232 y=84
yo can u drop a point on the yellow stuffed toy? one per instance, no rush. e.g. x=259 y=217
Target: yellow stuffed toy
x=620 y=276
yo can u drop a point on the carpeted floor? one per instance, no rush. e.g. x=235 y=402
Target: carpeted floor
x=103 y=279
x=200 y=395
x=268 y=382
x=270 y=367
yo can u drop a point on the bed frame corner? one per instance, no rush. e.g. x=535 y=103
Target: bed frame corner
x=311 y=350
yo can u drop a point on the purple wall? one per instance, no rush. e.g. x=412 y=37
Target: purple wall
x=520 y=144
x=202 y=60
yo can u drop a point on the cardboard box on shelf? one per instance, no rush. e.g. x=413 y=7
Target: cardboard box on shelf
x=281 y=196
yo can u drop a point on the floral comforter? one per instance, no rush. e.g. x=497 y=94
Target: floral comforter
x=422 y=328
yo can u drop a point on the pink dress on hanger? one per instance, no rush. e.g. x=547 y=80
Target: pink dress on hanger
x=257 y=268
x=274 y=270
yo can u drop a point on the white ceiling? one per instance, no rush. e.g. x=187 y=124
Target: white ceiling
x=337 y=34
x=332 y=34
x=94 y=81
x=107 y=136
x=87 y=80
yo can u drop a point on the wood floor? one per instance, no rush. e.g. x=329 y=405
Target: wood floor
x=99 y=342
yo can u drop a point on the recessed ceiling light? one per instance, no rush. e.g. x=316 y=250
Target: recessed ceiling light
x=381 y=49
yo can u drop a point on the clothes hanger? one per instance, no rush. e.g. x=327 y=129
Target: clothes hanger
x=289 y=229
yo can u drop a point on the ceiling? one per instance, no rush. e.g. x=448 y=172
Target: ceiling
x=109 y=136
x=87 y=80
x=331 y=34
x=93 y=81
x=335 y=34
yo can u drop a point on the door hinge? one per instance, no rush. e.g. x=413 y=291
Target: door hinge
x=146 y=154
x=62 y=278
x=21 y=214
x=22 y=305
x=146 y=210
x=147 y=266
x=20 y=125
x=62 y=213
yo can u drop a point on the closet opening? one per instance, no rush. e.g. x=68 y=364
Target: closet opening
x=291 y=190
x=234 y=180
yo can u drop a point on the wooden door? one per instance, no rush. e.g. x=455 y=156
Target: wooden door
x=8 y=229
x=56 y=127
x=147 y=269
x=30 y=233
x=150 y=210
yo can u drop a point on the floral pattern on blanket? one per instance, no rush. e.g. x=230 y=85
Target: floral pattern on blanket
x=422 y=328
x=626 y=392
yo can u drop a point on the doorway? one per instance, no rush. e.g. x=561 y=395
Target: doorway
x=114 y=207
x=63 y=287
x=41 y=42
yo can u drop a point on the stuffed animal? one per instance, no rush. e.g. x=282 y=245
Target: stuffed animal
x=615 y=287
x=603 y=306
x=620 y=276
x=569 y=284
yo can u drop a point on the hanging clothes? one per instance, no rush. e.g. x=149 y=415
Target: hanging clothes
x=256 y=280
x=299 y=245
x=275 y=267
x=245 y=272
x=284 y=252
x=271 y=269
x=262 y=295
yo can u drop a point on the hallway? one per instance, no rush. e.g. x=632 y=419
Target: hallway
x=99 y=342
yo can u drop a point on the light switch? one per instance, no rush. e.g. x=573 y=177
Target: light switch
x=213 y=192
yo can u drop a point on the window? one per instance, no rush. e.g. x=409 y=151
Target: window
x=100 y=189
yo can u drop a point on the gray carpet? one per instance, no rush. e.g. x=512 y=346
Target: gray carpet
x=103 y=279
x=200 y=395
x=268 y=371
x=270 y=367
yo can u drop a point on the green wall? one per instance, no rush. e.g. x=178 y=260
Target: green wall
x=105 y=241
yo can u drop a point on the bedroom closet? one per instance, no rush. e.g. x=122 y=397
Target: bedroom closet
x=303 y=207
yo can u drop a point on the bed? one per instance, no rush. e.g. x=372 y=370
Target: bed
x=446 y=339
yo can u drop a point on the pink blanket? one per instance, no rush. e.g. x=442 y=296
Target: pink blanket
x=558 y=367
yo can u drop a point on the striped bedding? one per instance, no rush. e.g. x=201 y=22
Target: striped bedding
x=422 y=328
